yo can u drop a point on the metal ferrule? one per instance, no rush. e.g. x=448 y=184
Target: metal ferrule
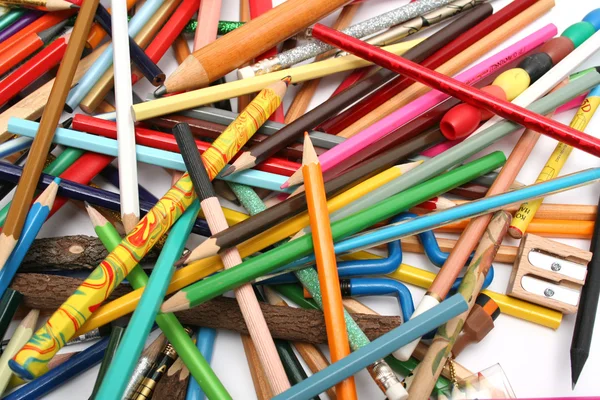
x=383 y=375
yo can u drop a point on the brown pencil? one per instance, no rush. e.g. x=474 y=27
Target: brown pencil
x=42 y=5
x=252 y=39
x=41 y=144
x=181 y=48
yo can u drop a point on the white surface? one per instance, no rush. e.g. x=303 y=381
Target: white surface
x=535 y=359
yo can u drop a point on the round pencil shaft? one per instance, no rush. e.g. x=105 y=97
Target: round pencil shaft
x=130 y=205
x=32 y=170
x=97 y=34
x=208 y=21
x=42 y=5
x=116 y=335
x=431 y=366
x=9 y=18
x=555 y=163
x=205 y=342
x=326 y=264
x=18 y=339
x=10 y=301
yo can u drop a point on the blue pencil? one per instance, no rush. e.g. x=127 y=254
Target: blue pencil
x=104 y=61
x=14 y=145
x=205 y=343
x=33 y=223
x=60 y=375
x=376 y=350
x=145 y=154
x=132 y=344
x=434 y=220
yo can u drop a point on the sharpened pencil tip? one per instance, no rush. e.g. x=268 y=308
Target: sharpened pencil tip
x=182 y=260
x=74 y=6
x=67 y=123
x=287 y=80
x=230 y=170
x=161 y=91
x=285 y=185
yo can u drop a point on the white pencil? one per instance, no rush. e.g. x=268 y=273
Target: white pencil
x=130 y=208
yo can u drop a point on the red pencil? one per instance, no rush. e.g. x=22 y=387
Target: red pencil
x=164 y=141
x=459 y=90
x=32 y=69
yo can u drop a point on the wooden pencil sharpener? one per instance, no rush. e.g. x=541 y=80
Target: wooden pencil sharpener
x=549 y=273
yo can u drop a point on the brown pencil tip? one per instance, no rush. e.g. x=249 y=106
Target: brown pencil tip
x=182 y=260
x=287 y=80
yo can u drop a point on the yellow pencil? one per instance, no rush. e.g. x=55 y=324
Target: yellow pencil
x=557 y=160
x=195 y=98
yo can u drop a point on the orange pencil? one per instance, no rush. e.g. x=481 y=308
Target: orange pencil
x=554 y=228
x=333 y=308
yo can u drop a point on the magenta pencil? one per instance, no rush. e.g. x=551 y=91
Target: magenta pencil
x=354 y=145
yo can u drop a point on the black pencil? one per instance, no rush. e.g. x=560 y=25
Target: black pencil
x=586 y=313
x=294 y=205
x=139 y=57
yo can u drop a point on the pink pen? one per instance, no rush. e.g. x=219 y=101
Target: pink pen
x=354 y=145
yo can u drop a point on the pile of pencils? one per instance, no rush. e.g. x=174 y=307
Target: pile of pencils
x=301 y=208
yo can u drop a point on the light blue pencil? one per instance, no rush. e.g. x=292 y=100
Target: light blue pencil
x=104 y=61
x=33 y=223
x=205 y=343
x=132 y=343
x=14 y=145
x=376 y=350
x=434 y=220
x=145 y=154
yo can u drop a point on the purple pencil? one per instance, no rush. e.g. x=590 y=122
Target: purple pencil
x=25 y=20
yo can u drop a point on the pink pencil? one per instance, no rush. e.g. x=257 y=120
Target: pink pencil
x=354 y=145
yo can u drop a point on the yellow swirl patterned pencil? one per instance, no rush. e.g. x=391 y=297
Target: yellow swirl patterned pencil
x=32 y=360
x=245 y=125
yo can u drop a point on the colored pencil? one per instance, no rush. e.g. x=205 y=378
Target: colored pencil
x=9 y=18
x=181 y=49
x=555 y=163
x=116 y=334
x=554 y=228
x=195 y=98
x=208 y=20
x=150 y=70
x=10 y=301
x=291 y=251
x=104 y=61
x=326 y=264
x=352 y=146
x=454 y=57
x=145 y=154
x=33 y=69
x=168 y=323
x=16 y=26
x=14 y=146
x=130 y=207
x=21 y=335
x=245 y=294
x=33 y=223
x=39 y=148
x=139 y=326
x=150 y=32
x=43 y=5
x=97 y=34
x=586 y=313
x=377 y=349
x=441 y=348
x=572 y=212
x=281 y=22
x=27 y=46
x=205 y=342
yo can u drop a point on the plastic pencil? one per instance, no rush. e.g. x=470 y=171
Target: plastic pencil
x=21 y=335
x=25 y=189
x=168 y=323
x=257 y=325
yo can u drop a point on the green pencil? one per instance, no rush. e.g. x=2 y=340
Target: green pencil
x=265 y=263
x=116 y=334
x=168 y=323
x=10 y=18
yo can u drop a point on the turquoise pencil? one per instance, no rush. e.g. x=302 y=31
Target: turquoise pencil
x=33 y=223
x=132 y=344
x=145 y=154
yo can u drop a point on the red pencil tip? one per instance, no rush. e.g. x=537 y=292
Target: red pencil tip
x=285 y=185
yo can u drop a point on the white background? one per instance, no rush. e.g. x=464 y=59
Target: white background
x=535 y=359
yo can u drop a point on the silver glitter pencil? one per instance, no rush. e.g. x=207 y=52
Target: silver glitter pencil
x=362 y=29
